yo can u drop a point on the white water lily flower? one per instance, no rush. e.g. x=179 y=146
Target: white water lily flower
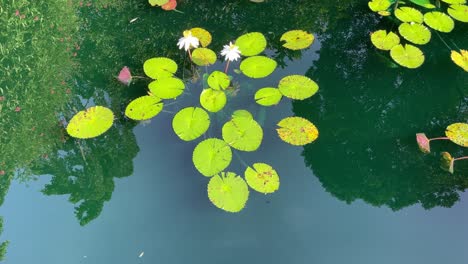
x=188 y=41
x=231 y=52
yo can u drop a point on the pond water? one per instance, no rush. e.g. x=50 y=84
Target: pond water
x=362 y=193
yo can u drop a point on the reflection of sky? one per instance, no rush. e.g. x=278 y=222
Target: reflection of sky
x=163 y=211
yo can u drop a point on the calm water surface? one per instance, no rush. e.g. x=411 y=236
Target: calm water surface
x=362 y=193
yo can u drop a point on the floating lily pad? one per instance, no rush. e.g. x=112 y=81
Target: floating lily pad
x=262 y=178
x=379 y=5
x=242 y=113
x=258 y=66
x=460 y=59
x=447 y=162
x=423 y=143
x=228 y=192
x=144 y=108
x=459 y=12
x=159 y=68
x=167 y=88
x=409 y=14
x=416 y=33
x=251 y=44
x=213 y=100
x=211 y=156
x=218 y=80
x=384 y=13
x=454 y=2
x=297 y=87
x=458 y=133
x=171 y=5
x=439 y=21
x=243 y=133
x=91 y=122
x=203 y=57
x=157 y=2
x=407 y=56
x=384 y=41
x=268 y=96
x=190 y=123
x=202 y=35
x=297 y=131
x=424 y=3
x=297 y=39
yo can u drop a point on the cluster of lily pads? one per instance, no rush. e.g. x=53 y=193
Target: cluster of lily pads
x=414 y=28
x=457 y=133
x=212 y=156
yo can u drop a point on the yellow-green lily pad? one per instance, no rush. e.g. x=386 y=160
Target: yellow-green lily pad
x=297 y=39
x=91 y=122
x=379 y=5
x=251 y=44
x=262 y=178
x=190 y=123
x=384 y=41
x=439 y=21
x=297 y=87
x=211 y=156
x=159 y=68
x=407 y=56
x=243 y=133
x=144 y=108
x=213 y=100
x=460 y=58
x=203 y=36
x=258 y=66
x=409 y=14
x=268 y=96
x=203 y=57
x=167 y=88
x=458 y=133
x=459 y=12
x=297 y=131
x=218 y=80
x=228 y=192
x=416 y=33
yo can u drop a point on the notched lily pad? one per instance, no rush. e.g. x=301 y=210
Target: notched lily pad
x=167 y=88
x=262 y=178
x=459 y=12
x=297 y=131
x=297 y=39
x=218 y=80
x=159 y=68
x=439 y=21
x=202 y=35
x=158 y=2
x=91 y=122
x=228 y=192
x=190 y=123
x=258 y=66
x=243 y=133
x=416 y=33
x=203 y=57
x=383 y=40
x=144 y=108
x=211 y=156
x=409 y=14
x=460 y=59
x=407 y=56
x=268 y=96
x=251 y=44
x=242 y=113
x=213 y=100
x=379 y=5
x=458 y=133
x=297 y=87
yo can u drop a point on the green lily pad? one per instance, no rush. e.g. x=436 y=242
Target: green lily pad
x=407 y=56
x=458 y=133
x=454 y=2
x=211 y=156
x=159 y=68
x=167 y=88
x=218 y=80
x=158 y=2
x=203 y=57
x=144 y=108
x=297 y=39
x=297 y=87
x=262 y=178
x=379 y=5
x=91 y=122
x=439 y=21
x=213 y=100
x=424 y=3
x=297 y=131
x=409 y=14
x=258 y=66
x=190 y=123
x=416 y=33
x=459 y=12
x=268 y=96
x=251 y=44
x=460 y=58
x=447 y=162
x=243 y=133
x=228 y=192
x=203 y=36
x=384 y=41
x=242 y=113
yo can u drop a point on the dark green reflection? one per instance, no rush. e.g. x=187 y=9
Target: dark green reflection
x=368 y=113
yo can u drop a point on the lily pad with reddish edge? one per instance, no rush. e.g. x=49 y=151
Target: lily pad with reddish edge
x=423 y=143
x=446 y=162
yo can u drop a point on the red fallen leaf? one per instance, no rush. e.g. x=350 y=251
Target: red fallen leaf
x=125 y=76
x=171 y=5
x=17 y=109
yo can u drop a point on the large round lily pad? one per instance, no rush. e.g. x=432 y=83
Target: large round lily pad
x=407 y=56
x=297 y=39
x=91 y=122
x=458 y=133
x=167 y=88
x=297 y=87
x=213 y=100
x=228 y=192
x=211 y=156
x=251 y=44
x=203 y=36
x=218 y=80
x=268 y=96
x=379 y=5
x=203 y=57
x=144 y=108
x=190 y=123
x=384 y=41
x=459 y=12
x=158 y=68
x=460 y=58
x=416 y=33
x=297 y=131
x=439 y=21
x=243 y=133
x=258 y=66
x=262 y=178
x=409 y=14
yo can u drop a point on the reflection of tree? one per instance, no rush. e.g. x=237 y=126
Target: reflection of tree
x=368 y=114
x=4 y=244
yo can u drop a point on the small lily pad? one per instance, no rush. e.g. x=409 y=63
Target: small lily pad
x=458 y=133
x=460 y=58
x=447 y=162
x=262 y=178
x=423 y=143
x=211 y=156
x=297 y=87
x=213 y=100
x=439 y=21
x=297 y=39
x=407 y=56
x=202 y=35
x=144 y=108
x=190 y=123
x=416 y=33
x=218 y=80
x=384 y=41
x=203 y=57
x=297 y=131
x=167 y=88
x=258 y=66
x=251 y=44
x=243 y=133
x=228 y=192
x=459 y=12
x=91 y=122
x=268 y=96
x=379 y=5
x=409 y=14
x=159 y=68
